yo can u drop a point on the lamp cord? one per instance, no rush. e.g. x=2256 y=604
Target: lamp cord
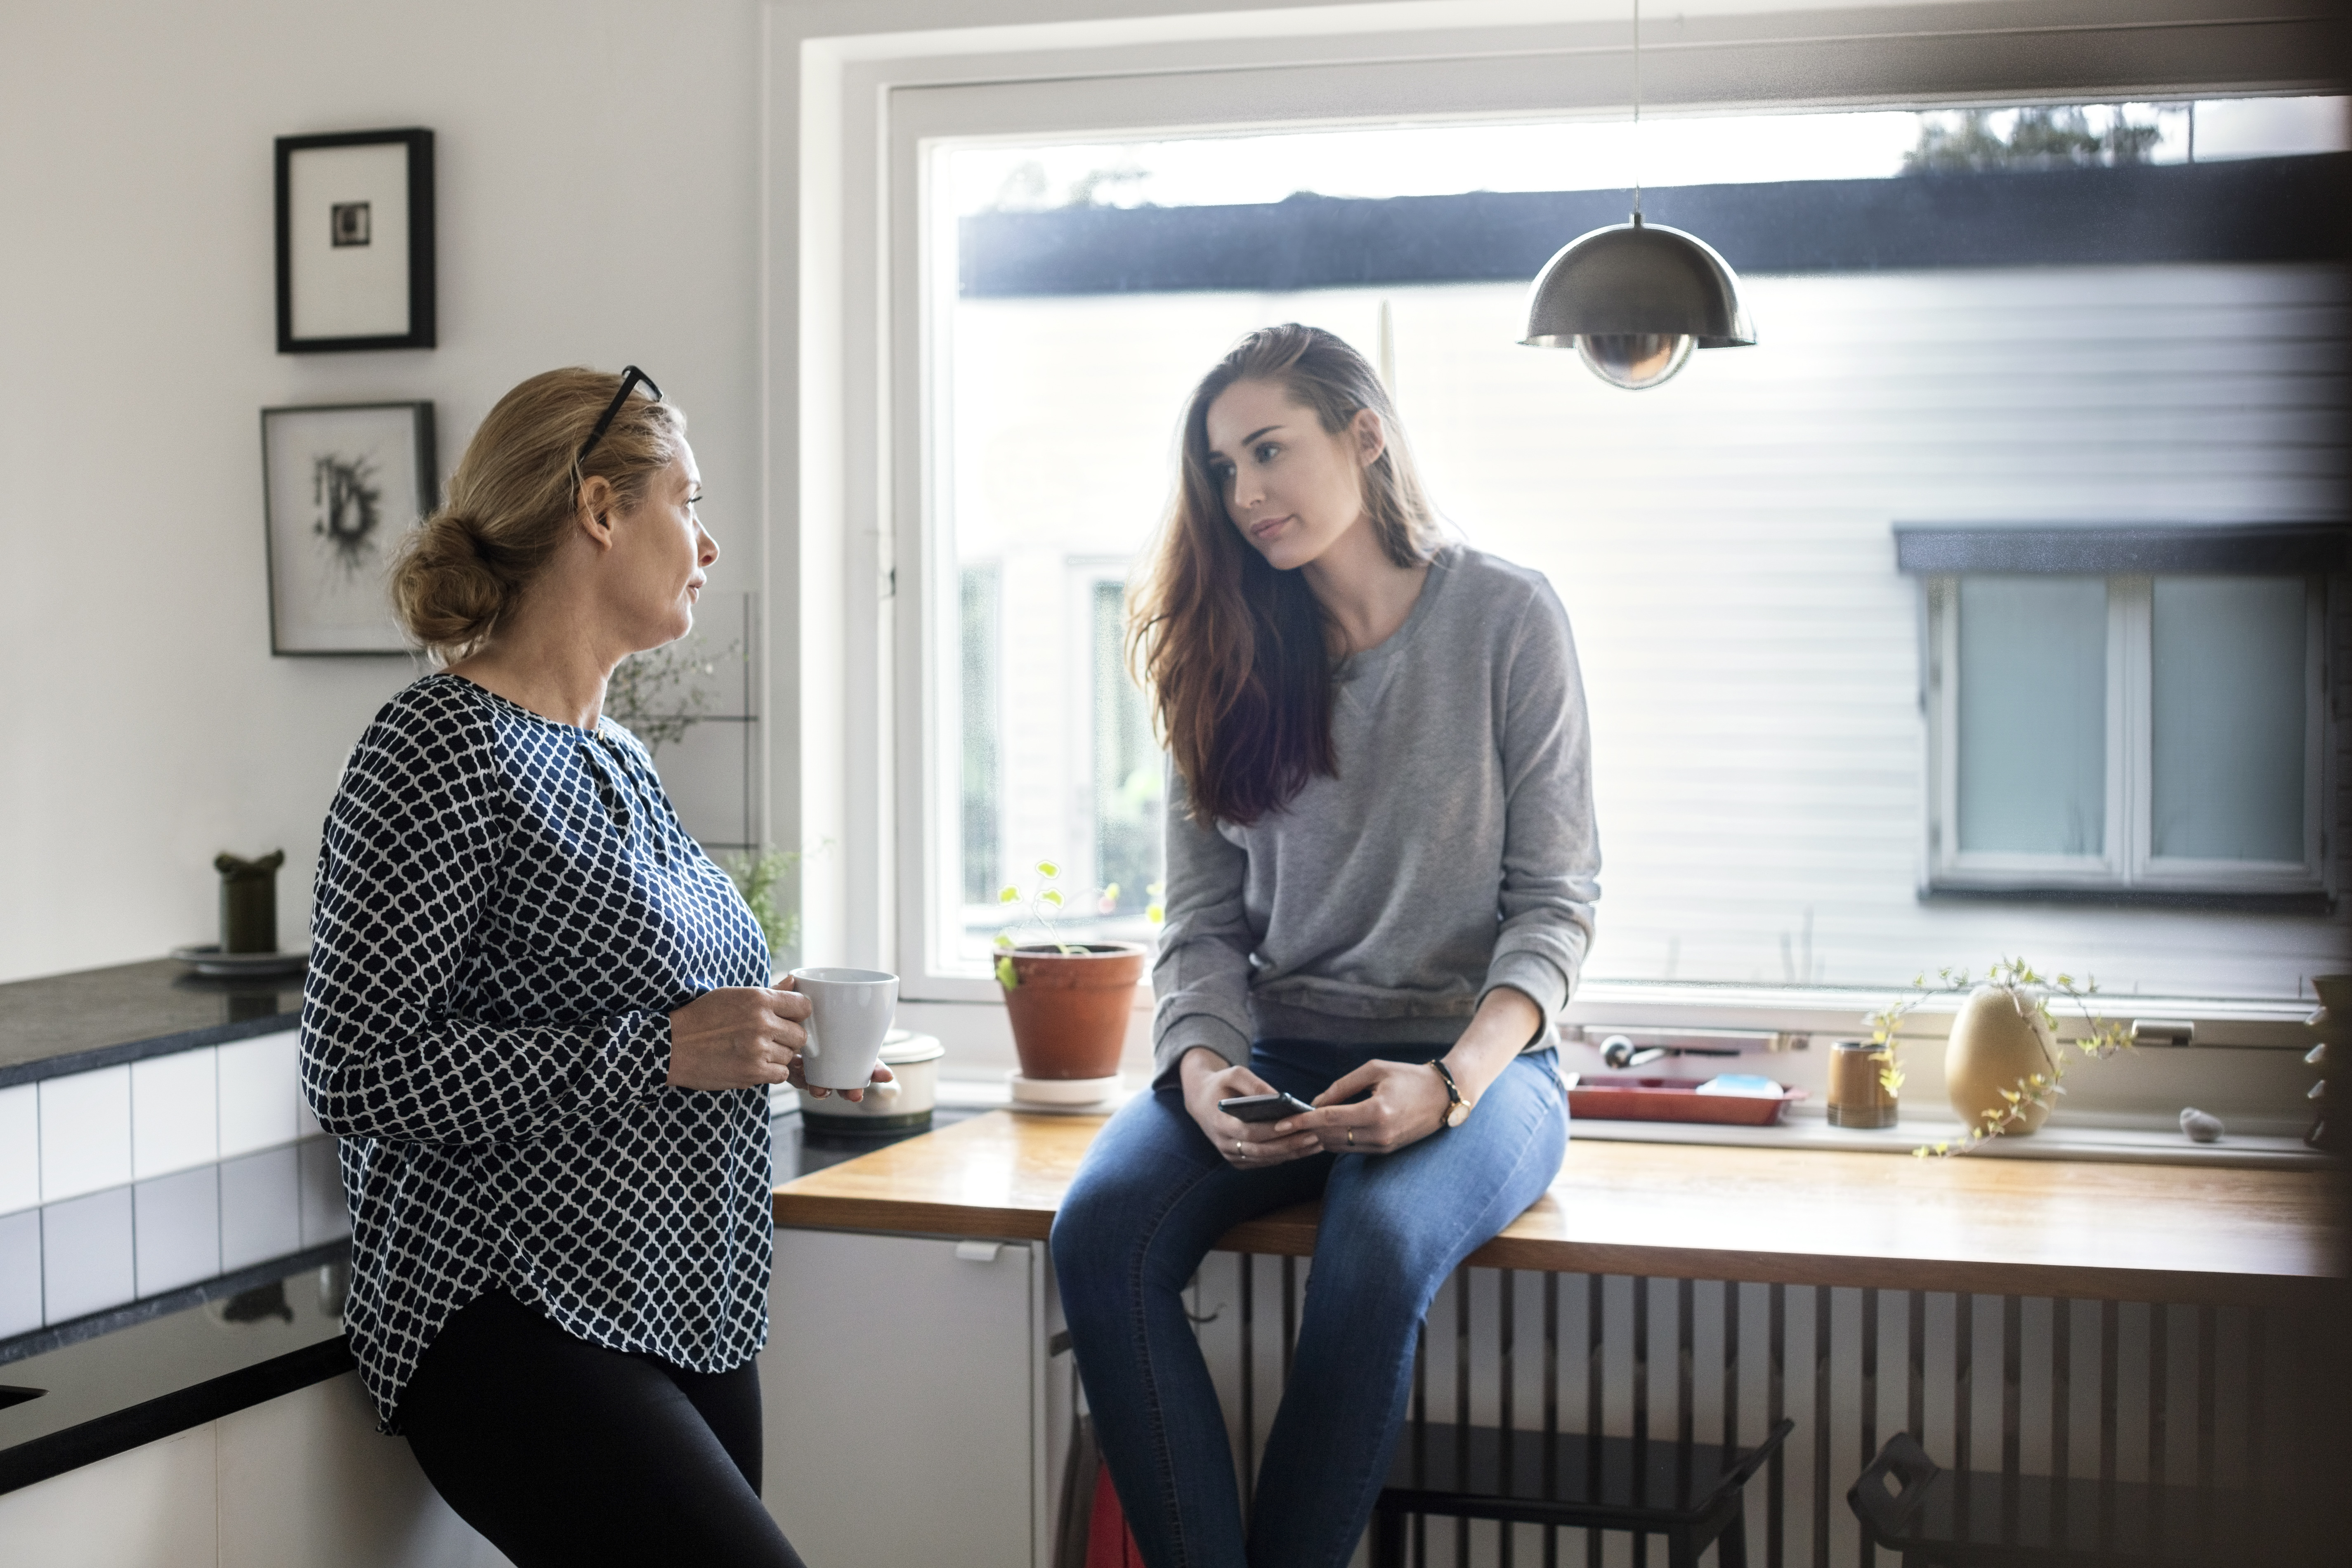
x=1637 y=110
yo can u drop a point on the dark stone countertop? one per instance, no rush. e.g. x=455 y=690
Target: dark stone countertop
x=101 y=1017
x=216 y=1349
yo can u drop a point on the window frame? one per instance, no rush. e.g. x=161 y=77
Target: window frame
x=852 y=272
x=2127 y=864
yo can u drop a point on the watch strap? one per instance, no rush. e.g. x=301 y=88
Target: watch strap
x=1457 y=1109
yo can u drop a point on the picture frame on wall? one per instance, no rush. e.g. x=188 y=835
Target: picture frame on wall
x=342 y=483
x=355 y=241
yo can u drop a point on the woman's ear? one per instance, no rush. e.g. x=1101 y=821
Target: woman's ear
x=1372 y=438
x=594 y=515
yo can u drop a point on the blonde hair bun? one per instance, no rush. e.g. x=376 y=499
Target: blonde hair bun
x=445 y=593
x=460 y=573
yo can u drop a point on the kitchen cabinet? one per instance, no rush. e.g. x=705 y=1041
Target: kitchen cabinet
x=913 y=1400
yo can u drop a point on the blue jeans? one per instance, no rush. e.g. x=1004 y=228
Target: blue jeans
x=1151 y=1199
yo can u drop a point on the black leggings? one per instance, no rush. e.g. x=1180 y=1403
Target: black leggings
x=561 y=1452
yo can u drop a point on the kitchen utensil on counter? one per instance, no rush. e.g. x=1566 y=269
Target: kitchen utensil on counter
x=207 y=959
x=249 y=901
x=849 y=1013
x=1622 y=1097
x=1858 y=1097
x=903 y=1105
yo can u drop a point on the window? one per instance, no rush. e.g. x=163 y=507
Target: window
x=1763 y=782
x=2159 y=733
x=1755 y=668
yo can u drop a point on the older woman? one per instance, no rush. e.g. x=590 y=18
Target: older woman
x=539 y=1018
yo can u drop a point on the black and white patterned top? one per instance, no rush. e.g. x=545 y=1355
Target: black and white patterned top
x=507 y=913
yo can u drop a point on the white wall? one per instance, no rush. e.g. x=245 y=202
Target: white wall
x=601 y=201
x=598 y=203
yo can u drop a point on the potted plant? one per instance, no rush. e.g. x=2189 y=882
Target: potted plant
x=1069 y=1002
x=2003 y=1063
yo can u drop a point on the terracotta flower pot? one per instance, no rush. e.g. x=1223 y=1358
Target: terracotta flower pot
x=1998 y=1040
x=1069 y=1011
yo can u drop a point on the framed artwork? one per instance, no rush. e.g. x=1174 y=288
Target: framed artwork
x=340 y=485
x=355 y=241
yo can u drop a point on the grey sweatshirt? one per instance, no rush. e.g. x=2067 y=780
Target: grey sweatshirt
x=1455 y=852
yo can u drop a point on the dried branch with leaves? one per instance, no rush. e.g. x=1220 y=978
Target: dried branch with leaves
x=2104 y=1037
x=662 y=693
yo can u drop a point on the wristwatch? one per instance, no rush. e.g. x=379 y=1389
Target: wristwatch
x=1457 y=1109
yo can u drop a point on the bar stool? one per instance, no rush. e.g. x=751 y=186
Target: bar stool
x=1687 y=1493
x=1963 y=1519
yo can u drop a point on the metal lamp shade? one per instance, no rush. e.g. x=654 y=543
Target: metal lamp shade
x=1634 y=299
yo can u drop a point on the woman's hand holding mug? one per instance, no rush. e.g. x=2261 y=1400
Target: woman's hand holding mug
x=740 y=1037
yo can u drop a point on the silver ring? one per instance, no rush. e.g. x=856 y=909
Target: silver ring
x=1352 y=1137
x=1240 y=1148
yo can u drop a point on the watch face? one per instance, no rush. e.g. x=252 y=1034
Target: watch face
x=1457 y=1116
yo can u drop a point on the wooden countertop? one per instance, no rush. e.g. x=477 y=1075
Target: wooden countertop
x=2141 y=1233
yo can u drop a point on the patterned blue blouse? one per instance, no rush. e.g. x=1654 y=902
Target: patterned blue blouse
x=507 y=913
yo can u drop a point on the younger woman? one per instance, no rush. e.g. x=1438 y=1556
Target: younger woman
x=1382 y=868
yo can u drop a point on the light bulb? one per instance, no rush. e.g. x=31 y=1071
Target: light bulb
x=1634 y=360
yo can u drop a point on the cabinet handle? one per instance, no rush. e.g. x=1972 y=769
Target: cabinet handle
x=978 y=1251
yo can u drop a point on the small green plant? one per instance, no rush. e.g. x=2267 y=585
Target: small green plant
x=2106 y=1037
x=758 y=877
x=1040 y=905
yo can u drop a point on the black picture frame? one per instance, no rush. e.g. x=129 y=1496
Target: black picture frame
x=375 y=298
x=328 y=597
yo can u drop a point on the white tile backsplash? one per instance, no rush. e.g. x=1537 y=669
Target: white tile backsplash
x=259 y=1092
x=174 y=1112
x=325 y=1215
x=177 y=1221
x=20 y=1147
x=84 y=1133
x=20 y=1273
x=86 y=1254
x=260 y=1208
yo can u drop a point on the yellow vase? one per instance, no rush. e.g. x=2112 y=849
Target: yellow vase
x=1998 y=1041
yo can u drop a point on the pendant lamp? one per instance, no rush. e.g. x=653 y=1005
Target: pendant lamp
x=1634 y=299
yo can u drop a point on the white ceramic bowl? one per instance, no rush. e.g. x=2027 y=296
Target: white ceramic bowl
x=914 y=1062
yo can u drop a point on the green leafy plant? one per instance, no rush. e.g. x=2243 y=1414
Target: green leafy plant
x=758 y=877
x=662 y=693
x=1039 y=906
x=2105 y=1036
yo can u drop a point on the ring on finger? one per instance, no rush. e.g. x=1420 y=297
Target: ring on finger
x=1241 y=1149
x=1352 y=1137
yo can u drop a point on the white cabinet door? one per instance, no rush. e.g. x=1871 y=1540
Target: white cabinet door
x=904 y=1393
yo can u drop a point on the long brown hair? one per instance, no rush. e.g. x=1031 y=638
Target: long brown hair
x=1235 y=653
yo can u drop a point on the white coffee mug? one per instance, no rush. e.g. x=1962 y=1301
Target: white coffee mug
x=849 y=1012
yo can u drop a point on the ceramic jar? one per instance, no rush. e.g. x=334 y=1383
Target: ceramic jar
x=1998 y=1040
x=1858 y=1097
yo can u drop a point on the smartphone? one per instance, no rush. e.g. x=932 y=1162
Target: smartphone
x=1263 y=1107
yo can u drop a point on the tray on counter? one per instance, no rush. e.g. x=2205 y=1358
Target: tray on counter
x=1627 y=1096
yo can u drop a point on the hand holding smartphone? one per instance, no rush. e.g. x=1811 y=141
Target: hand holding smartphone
x=1263 y=1107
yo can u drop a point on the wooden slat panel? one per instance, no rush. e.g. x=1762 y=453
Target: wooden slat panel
x=2142 y=1233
